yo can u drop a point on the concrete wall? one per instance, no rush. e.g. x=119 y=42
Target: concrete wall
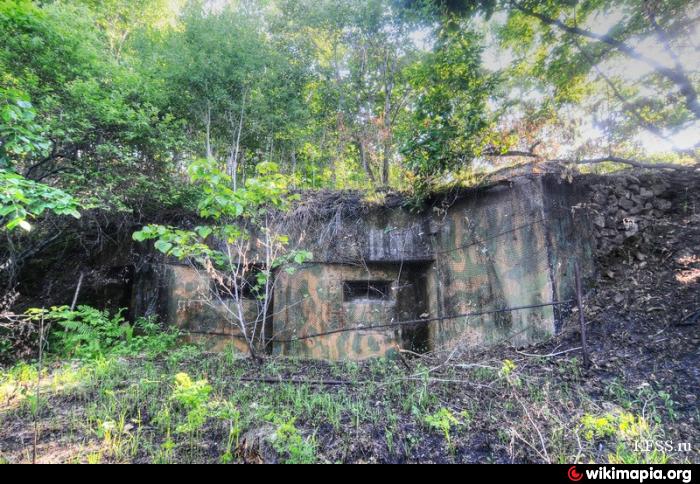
x=181 y=296
x=492 y=253
x=570 y=236
x=311 y=301
x=508 y=245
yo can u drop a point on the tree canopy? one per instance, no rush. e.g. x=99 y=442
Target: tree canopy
x=110 y=102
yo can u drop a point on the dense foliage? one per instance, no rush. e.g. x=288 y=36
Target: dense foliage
x=110 y=106
x=338 y=94
x=87 y=333
x=187 y=126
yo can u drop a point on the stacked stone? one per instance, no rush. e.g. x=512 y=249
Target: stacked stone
x=624 y=206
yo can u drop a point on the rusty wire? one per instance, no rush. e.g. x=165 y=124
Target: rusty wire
x=420 y=321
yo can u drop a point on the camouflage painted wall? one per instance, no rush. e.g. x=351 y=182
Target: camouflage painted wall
x=311 y=301
x=492 y=253
x=568 y=223
x=508 y=245
x=191 y=308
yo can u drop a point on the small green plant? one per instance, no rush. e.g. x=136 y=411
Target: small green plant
x=389 y=439
x=167 y=452
x=163 y=420
x=570 y=368
x=117 y=436
x=17 y=381
x=193 y=396
x=183 y=354
x=507 y=372
x=507 y=368
x=146 y=336
x=94 y=458
x=669 y=404
x=598 y=426
x=623 y=455
x=33 y=404
x=623 y=429
x=445 y=421
x=290 y=444
x=619 y=393
x=228 y=412
x=107 y=431
x=617 y=423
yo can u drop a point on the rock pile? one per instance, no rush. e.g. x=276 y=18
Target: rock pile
x=625 y=206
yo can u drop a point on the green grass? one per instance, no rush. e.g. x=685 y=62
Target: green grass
x=188 y=406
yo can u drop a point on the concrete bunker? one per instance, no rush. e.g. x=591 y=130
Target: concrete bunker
x=384 y=278
x=335 y=298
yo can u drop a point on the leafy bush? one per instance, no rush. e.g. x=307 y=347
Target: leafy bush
x=89 y=333
x=193 y=396
x=22 y=199
x=290 y=444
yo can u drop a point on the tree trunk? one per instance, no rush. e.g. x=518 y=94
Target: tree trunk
x=235 y=149
x=207 y=121
x=363 y=158
x=389 y=72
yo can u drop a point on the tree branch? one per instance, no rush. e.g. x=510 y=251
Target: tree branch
x=594 y=161
x=678 y=77
x=630 y=162
x=618 y=94
x=511 y=153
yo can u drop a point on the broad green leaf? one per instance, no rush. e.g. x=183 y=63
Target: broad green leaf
x=163 y=246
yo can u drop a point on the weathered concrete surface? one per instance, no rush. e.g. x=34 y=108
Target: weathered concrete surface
x=183 y=298
x=570 y=236
x=505 y=246
x=508 y=245
x=311 y=301
x=368 y=234
x=491 y=253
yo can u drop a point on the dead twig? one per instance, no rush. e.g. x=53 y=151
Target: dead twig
x=38 y=388
x=549 y=355
x=544 y=453
x=297 y=381
x=77 y=291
